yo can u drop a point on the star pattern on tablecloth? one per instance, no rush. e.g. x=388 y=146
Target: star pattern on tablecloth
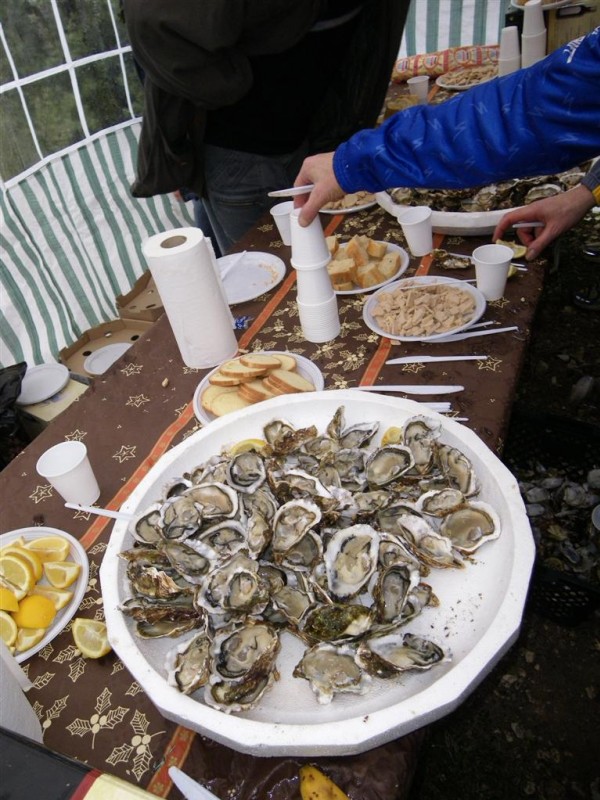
x=41 y=493
x=413 y=368
x=190 y=370
x=490 y=364
x=503 y=301
x=76 y=436
x=125 y=453
x=131 y=369
x=137 y=400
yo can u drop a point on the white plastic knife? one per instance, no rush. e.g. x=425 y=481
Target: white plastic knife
x=433 y=359
x=412 y=389
x=190 y=788
x=458 y=337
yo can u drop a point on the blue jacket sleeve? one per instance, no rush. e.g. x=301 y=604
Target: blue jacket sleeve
x=535 y=121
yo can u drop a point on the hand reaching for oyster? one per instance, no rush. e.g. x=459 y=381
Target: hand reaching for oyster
x=320 y=535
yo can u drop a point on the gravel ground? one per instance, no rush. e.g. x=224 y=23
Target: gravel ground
x=531 y=727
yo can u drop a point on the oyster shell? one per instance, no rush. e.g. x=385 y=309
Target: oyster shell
x=386 y=656
x=471 y=526
x=337 y=622
x=388 y=464
x=332 y=669
x=188 y=664
x=351 y=559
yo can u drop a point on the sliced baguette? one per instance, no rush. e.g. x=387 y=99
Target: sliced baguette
x=341 y=271
x=263 y=360
x=355 y=250
x=368 y=275
x=287 y=361
x=376 y=249
x=209 y=395
x=255 y=391
x=389 y=265
x=236 y=369
x=288 y=381
x=227 y=402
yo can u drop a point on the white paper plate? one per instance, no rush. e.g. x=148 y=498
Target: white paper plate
x=423 y=280
x=41 y=382
x=76 y=554
x=546 y=6
x=350 y=210
x=305 y=368
x=254 y=275
x=404 y=262
x=478 y=617
x=447 y=80
x=100 y=360
x=458 y=223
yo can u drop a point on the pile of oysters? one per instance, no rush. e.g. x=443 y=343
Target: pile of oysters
x=320 y=535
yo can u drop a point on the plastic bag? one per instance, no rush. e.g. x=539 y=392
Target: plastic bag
x=12 y=436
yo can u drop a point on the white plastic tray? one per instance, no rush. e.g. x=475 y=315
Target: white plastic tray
x=478 y=617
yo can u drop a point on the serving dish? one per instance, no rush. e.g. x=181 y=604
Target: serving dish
x=478 y=617
x=404 y=263
x=304 y=367
x=459 y=223
x=76 y=554
x=463 y=78
x=422 y=280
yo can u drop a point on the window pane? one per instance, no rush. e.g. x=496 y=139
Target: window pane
x=102 y=94
x=17 y=151
x=117 y=6
x=88 y=27
x=53 y=111
x=31 y=34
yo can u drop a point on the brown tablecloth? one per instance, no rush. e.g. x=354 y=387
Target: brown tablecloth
x=93 y=710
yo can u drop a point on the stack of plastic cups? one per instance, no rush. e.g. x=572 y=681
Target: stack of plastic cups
x=509 y=59
x=534 y=35
x=317 y=303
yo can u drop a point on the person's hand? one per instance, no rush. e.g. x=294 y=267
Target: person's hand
x=557 y=213
x=319 y=171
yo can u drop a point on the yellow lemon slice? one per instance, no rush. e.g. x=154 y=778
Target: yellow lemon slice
x=49 y=548
x=248 y=444
x=90 y=637
x=59 y=597
x=518 y=249
x=15 y=543
x=61 y=573
x=29 y=555
x=17 y=572
x=393 y=435
x=512 y=271
x=28 y=637
x=8 y=600
x=8 y=629
x=35 y=611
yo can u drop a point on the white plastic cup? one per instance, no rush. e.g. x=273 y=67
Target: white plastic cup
x=320 y=322
x=309 y=247
x=419 y=87
x=416 y=226
x=492 y=263
x=313 y=284
x=533 y=48
x=509 y=56
x=68 y=468
x=281 y=214
x=533 y=18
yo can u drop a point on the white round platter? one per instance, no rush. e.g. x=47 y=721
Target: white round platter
x=404 y=262
x=253 y=275
x=41 y=382
x=446 y=81
x=478 y=617
x=422 y=280
x=305 y=368
x=350 y=209
x=458 y=223
x=547 y=6
x=102 y=359
x=76 y=554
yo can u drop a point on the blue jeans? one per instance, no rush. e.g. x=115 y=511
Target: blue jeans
x=236 y=186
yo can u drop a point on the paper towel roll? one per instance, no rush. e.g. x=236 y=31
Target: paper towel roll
x=183 y=265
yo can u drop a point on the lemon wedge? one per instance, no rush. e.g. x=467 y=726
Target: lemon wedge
x=8 y=600
x=17 y=573
x=61 y=574
x=90 y=637
x=29 y=555
x=393 y=435
x=248 y=444
x=15 y=543
x=8 y=629
x=49 y=548
x=28 y=637
x=35 y=611
x=519 y=250
x=59 y=597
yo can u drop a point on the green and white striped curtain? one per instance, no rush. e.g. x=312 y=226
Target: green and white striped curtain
x=433 y=25
x=71 y=236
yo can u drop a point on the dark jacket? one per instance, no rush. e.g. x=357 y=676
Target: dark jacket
x=196 y=56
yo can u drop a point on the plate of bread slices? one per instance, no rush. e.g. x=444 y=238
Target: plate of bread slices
x=364 y=264
x=252 y=377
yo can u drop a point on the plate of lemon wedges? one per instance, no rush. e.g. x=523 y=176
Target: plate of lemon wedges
x=43 y=577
